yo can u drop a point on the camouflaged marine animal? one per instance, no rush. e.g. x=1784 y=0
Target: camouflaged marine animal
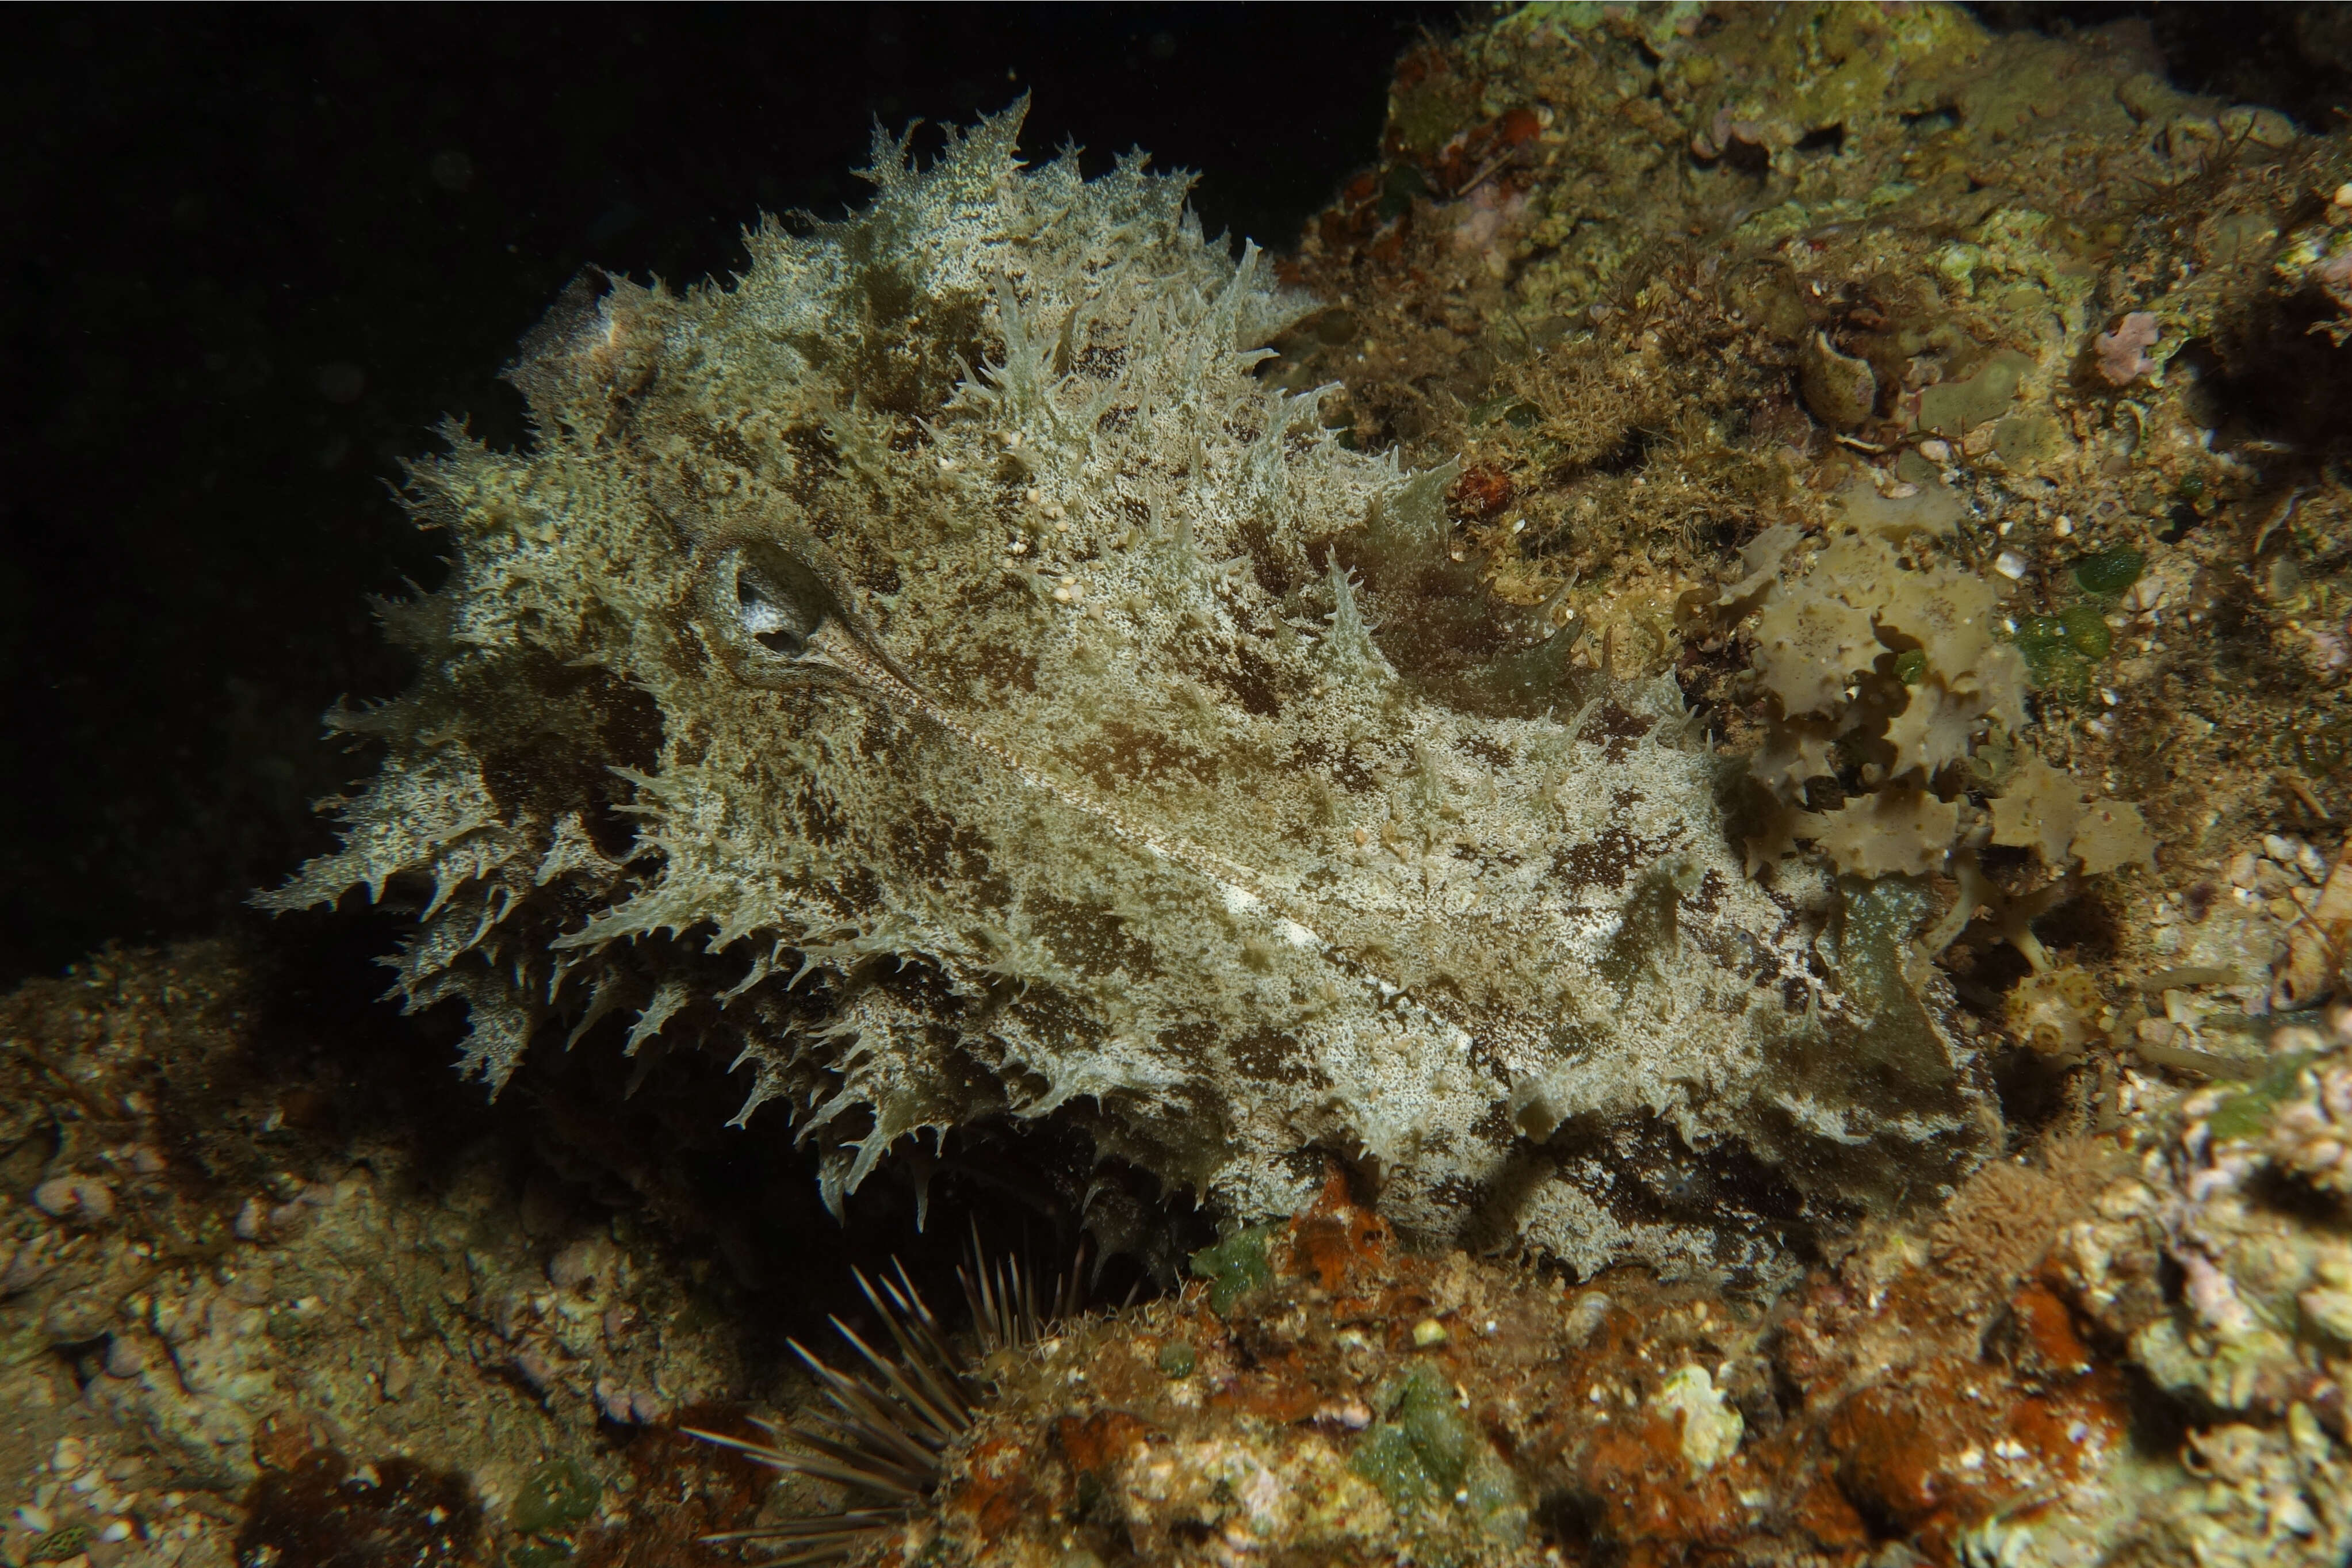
x=939 y=672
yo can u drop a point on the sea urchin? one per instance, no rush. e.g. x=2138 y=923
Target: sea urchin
x=892 y=1423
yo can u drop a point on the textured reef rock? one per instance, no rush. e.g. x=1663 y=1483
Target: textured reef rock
x=1333 y=1398
x=1953 y=1391
x=259 y=1303
x=944 y=671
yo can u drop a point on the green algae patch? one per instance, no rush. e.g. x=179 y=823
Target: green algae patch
x=2028 y=442
x=1953 y=408
x=555 y=1497
x=2087 y=631
x=59 y=1545
x=2246 y=1114
x=2059 y=650
x=1390 y=1461
x=1236 y=1267
x=2109 y=572
x=1177 y=1359
x=1424 y=1453
x=2054 y=660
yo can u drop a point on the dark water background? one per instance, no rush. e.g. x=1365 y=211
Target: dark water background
x=253 y=255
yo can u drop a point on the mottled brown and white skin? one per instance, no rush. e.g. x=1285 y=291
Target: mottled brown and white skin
x=937 y=672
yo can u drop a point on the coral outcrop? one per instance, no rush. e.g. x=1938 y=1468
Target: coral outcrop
x=945 y=672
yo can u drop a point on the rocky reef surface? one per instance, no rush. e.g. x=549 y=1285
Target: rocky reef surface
x=1693 y=769
x=254 y=1314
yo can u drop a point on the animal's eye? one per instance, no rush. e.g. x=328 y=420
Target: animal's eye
x=773 y=625
x=779 y=601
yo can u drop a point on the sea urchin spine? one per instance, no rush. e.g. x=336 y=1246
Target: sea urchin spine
x=892 y=1423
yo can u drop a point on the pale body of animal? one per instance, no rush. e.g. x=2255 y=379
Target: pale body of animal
x=938 y=673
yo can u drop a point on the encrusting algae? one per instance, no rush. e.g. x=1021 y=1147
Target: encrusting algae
x=1692 y=772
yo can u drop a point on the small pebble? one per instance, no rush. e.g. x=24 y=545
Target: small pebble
x=2010 y=564
x=583 y=1265
x=74 y=1197
x=1585 y=1315
x=1936 y=449
x=1427 y=1332
x=628 y=1406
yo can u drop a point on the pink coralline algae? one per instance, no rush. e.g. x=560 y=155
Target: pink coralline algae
x=2123 y=353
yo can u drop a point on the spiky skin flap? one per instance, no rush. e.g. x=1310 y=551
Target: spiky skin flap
x=936 y=671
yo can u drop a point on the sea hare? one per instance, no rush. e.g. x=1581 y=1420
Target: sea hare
x=940 y=673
